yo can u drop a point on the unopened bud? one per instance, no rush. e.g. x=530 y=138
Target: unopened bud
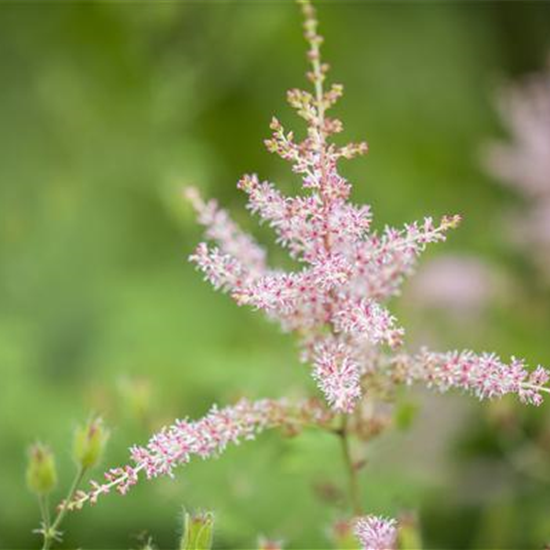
x=198 y=530
x=275 y=125
x=451 y=222
x=89 y=443
x=41 y=470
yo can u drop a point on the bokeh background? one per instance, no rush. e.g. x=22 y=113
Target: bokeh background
x=107 y=110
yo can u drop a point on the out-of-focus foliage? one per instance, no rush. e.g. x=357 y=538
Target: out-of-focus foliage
x=107 y=110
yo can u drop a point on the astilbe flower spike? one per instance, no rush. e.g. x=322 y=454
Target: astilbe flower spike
x=334 y=300
x=485 y=375
x=376 y=533
x=207 y=437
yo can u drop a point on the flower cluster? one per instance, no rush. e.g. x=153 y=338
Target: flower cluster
x=376 y=533
x=205 y=438
x=334 y=301
x=485 y=375
x=523 y=163
x=345 y=270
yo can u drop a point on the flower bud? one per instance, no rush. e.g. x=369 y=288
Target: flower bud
x=89 y=443
x=198 y=531
x=41 y=470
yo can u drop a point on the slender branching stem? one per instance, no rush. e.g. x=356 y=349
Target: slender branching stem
x=318 y=77
x=44 y=511
x=535 y=387
x=47 y=508
x=351 y=469
x=51 y=531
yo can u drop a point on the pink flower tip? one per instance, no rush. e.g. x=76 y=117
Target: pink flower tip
x=376 y=533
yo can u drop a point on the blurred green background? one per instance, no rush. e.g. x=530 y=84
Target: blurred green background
x=107 y=109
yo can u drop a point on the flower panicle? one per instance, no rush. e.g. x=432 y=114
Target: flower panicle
x=346 y=270
x=206 y=437
x=221 y=228
x=485 y=375
x=334 y=300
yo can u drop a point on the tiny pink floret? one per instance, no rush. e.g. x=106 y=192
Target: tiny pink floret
x=376 y=533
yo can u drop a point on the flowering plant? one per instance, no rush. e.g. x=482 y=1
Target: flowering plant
x=335 y=301
x=523 y=162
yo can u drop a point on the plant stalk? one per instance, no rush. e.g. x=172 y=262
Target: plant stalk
x=50 y=533
x=351 y=469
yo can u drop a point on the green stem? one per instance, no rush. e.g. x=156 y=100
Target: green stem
x=353 y=480
x=44 y=511
x=47 y=508
x=51 y=532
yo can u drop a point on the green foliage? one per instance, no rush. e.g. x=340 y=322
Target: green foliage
x=405 y=414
